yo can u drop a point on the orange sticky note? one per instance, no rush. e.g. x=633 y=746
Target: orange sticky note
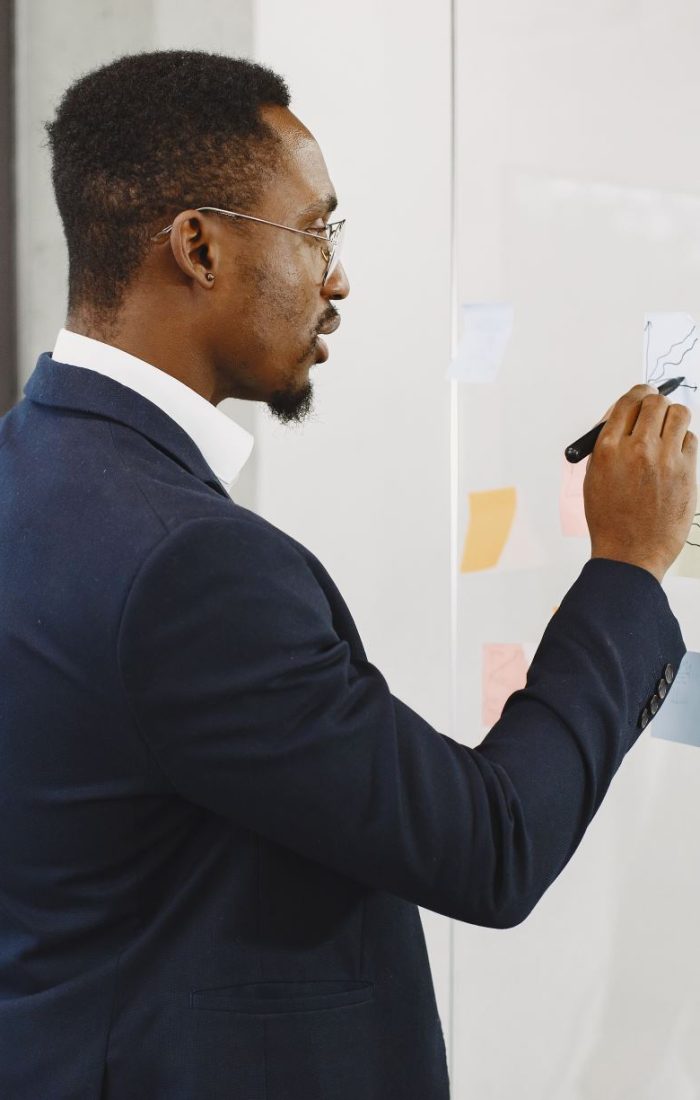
x=571 y=510
x=503 y=671
x=491 y=515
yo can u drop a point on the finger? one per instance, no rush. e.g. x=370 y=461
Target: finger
x=690 y=445
x=674 y=428
x=624 y=412
x=651 y=416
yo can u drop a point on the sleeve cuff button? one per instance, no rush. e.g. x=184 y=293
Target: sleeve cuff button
x=668 y=674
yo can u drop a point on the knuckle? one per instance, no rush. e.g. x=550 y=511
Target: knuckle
x=654 y=400
x=604 y=444
x=641 y=448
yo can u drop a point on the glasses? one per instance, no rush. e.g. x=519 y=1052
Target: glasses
x=331 y=237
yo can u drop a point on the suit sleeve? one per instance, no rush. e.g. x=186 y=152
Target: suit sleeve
x=252 y=706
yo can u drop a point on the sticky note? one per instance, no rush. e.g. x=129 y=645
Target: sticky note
x=491 y=515
x=485 y=329
x=572 y=516
x=503 y=670
x=677 y=717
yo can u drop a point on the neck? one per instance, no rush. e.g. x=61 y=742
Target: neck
x=169 y=348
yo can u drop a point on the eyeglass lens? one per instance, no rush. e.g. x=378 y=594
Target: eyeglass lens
x=335 y=253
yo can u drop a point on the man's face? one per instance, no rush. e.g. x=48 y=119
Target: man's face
x=269 y=306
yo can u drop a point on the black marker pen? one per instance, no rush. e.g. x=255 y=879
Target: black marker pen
x=584 y=446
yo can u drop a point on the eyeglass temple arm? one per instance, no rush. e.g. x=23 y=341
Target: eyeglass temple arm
x=249 y=217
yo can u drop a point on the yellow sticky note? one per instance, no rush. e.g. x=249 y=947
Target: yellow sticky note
x=491 y=515
x=503 y=671
x=571 y=511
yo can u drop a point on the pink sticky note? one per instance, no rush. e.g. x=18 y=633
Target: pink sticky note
x=571 y=510
x=503 y=671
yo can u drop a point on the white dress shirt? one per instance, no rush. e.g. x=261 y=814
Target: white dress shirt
x=225 y=445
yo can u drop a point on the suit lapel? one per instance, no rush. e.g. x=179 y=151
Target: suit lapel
x=61 y=385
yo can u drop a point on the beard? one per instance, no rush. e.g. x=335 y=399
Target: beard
x=292 y=405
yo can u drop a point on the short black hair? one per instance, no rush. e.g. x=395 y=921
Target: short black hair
x=138 y=140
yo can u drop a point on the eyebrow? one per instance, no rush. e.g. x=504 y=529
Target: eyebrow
x=326 y=205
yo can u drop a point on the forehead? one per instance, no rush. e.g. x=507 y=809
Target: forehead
x=302 y=177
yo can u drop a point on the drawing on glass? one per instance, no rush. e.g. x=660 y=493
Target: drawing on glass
x=672 y=348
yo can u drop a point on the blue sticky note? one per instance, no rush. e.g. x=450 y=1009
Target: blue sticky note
x=485 y=329
x=678 y=718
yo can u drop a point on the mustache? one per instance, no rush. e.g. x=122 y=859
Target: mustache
x=325 y=320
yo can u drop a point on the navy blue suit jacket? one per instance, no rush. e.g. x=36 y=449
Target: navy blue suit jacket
x=217 y=822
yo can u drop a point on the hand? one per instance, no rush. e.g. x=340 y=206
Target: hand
x=640 y=487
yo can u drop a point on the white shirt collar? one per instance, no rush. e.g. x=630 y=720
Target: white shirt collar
x=225 y=445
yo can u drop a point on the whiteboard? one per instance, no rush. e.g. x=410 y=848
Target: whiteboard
x=578 y=185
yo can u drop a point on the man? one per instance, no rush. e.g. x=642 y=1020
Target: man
x=218 y=822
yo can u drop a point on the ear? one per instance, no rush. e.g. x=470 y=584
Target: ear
x=195 y=246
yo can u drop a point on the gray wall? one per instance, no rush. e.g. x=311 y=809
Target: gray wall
x=8 y=318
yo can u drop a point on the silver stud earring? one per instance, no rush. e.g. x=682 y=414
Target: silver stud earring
x=210 y=277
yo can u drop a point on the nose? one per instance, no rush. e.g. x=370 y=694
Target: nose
x=337 y=285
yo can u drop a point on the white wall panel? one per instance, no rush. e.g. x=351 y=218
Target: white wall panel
x=365 y=483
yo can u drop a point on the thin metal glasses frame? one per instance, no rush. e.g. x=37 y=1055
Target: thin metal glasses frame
x=334 y=238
